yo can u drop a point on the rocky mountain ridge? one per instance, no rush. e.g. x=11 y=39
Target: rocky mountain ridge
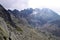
x=13 y=28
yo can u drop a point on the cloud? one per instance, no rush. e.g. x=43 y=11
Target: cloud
x=44 y=3
x=22 y=4
x=51 y=4
x=14 y=4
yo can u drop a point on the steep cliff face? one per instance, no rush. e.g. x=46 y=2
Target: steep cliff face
x=11 y=28
x=4 y=14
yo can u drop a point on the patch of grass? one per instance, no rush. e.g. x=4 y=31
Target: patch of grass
x=3 y=31
x=19 y=29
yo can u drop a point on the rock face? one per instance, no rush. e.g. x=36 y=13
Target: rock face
x=12 y=28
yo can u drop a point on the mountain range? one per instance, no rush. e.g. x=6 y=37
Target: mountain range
x=29 y=24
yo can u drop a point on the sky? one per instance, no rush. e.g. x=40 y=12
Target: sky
x=14 y=4
x=23 y=4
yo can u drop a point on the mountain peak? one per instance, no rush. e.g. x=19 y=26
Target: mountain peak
x=46 y=10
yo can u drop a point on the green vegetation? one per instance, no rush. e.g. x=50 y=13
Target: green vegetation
x=4 y=32
x=19 y=29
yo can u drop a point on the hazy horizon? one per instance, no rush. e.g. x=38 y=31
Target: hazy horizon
x=23 y=4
